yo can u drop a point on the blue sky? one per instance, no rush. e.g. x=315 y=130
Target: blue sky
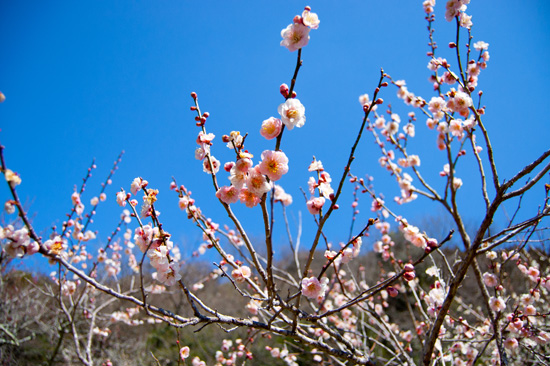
x=86 y=80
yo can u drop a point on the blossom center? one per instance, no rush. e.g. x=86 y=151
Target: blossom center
x=292 y=113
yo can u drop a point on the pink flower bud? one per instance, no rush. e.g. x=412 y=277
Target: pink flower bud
x=194 y=95
x=297 y=19
x=408 y=267
x=409 y=276
x=284 y=90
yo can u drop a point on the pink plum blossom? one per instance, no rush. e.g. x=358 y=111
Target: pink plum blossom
x=281 y=196
x=184 y=352
x=271 y=128
x=312 y=288
x=171 y=275
x=315 y=204
x=481 y=46
x=292 y=113
x=249 y=198
x=497 y=304
x=274 y=164
x=121 y=198
x=241 y=274
x=490 y=279
x=215 y=164
x=228 y=194
x=310 y=19
x=295 y=36
x=257 y=182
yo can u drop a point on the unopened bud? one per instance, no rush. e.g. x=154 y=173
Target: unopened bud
x=293 y=94
x=409 y=276
x=297 y=19
x=307 y=8
x=193 y=108
x=432 y=243
x=284 y=90
x=408 y=267
x=379 y=101
x=452 y=45
x=194 y=95
x=226 y=138
x=392 y=291
x=206 y=114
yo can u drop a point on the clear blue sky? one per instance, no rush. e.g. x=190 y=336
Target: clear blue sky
x=87 y=79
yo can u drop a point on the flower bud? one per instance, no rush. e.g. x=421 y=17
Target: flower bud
x=392 y=291
x=409 y=276
x=408 y=267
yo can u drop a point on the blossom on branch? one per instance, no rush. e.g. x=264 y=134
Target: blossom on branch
x=312 y=288
x=292 y=113
x=295 y=36
x=271 y=128
x=274 y=164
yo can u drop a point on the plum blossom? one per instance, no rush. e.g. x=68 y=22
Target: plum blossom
x=324 y=185
x=137 y=184
x=274 y=164
x=428 y=6
x=465 y=20
x=271 y=128
x=241 y=274
x=184 y=352
x=171 y=275
x=215 y=165
x=480 y=45
x=295 y=36
x=497 y=304
x=249 y=198
x=459 y=102
x=457 y=183
x=12 y=178
x=490 y=279
x=315 y=204
x=228 y=194
x=310 y=19
x=121 y=198
x=316 y=165
x=454 y=7
x=292 y=113
x=256 y=182
x=312 y=288
x=511 y=343
x=281 y=196
x=9 y=207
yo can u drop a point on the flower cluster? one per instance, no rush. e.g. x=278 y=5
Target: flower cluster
x=296 y=35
